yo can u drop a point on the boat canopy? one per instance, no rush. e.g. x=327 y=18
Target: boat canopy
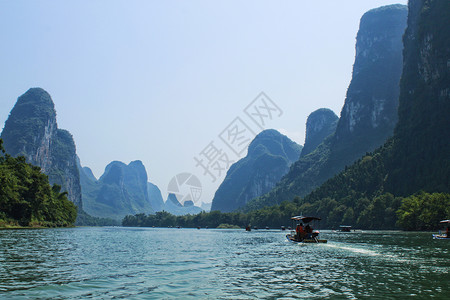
x=305 y=219
x=445 y=221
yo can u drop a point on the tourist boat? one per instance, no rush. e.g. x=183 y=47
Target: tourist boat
x=443 y=236
x=311 y=237
x=345 y=228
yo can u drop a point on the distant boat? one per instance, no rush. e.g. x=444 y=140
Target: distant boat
x=345 y=228
x=248 y=228
x=304 y=235
x=283 y=228
x=443 y=236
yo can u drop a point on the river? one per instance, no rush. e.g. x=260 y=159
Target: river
x=155 y=263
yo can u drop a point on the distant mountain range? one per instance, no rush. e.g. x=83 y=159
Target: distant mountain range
x=121 y=190
x=31 y=130
x=124 y=190
x=367 y=120
x=391 y=138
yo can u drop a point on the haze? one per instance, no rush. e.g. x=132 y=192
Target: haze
x=158 y=81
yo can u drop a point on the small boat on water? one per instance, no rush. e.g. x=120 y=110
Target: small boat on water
x=443 y=236
x=345 y=228
x=304 y=234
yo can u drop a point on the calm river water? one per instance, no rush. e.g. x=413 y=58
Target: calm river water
x=155 y=263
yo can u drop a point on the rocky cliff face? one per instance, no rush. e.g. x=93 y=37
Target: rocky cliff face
x=416 y=159
x=421 y=156
x=369 y=114
x=319 y=125
x=88 y=172
x=269 y=157
x=155 y=197
x=31 y=130
x=172 y=200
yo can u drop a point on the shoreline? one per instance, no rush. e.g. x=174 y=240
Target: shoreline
x=15 y=227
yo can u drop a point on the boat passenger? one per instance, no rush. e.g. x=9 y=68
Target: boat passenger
x=308 y=230
x=300 y=232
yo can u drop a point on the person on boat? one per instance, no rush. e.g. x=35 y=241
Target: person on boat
x=308 y=230
x=300 y=231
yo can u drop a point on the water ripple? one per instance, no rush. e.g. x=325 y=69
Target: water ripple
x=142 y=263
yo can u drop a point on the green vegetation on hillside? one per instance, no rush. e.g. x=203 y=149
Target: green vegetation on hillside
x=27 y=198
x=423 y=211
x=383 y=185
x=421 y=155
x=405 y=183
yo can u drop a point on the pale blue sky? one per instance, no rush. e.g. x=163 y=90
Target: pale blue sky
x=159 y=80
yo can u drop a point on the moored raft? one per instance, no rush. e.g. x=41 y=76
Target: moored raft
x=443 y=236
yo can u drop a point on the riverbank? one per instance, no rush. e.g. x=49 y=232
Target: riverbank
x=4 y=225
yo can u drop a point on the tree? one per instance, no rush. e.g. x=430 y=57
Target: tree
x=27 y=198
x=423 y=211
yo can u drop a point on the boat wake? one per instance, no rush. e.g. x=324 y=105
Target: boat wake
x=363 y=251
